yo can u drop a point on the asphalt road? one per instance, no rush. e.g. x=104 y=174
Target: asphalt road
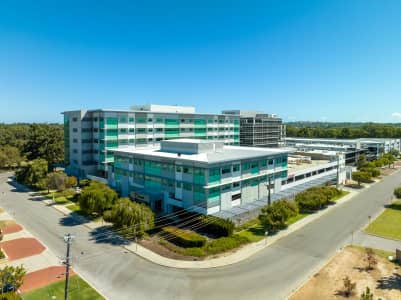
x=270 y=274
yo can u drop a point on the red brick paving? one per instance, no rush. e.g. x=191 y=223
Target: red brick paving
x=22 y=247
x=12 y=228
x=41 y=278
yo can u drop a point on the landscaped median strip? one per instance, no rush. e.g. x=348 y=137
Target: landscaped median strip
x=231 y=257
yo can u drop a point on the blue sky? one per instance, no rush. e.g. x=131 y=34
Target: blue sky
x=303 y=60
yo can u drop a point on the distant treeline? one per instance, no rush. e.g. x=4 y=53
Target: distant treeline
x=343 y=130
x=25 y=142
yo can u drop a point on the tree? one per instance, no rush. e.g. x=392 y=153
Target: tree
x=10 y=156
x=45 y=141
x=348 y=287
x=12 y=276
x=367 y=294
x=371 y=259
x=96 y=198
x=361 y=176
x=131 y=217
x=274 y=217
x=55 y=181
x=34 y=173
x=361 y=162
x=71 y=181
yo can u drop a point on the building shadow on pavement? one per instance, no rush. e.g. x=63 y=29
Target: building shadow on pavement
x=73 y=219
x=104 y=235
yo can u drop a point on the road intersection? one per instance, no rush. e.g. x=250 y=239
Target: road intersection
x=270 y=274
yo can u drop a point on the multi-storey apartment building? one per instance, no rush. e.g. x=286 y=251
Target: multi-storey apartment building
x=91 y=136
x=258 y=129
x=198 y=175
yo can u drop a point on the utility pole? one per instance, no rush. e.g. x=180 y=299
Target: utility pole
x=68 y=239
x=269 y=193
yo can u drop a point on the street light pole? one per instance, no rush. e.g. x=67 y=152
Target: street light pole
x=68 y=239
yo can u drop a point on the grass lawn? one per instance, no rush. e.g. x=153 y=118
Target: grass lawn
x=298 y=217
x=78 y=290
x=388 y=224
x=74 y=207
x=339 y=197
x=254 y=233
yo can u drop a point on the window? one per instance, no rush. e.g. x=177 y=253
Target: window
x=123 y=130
x=131 y=130
x=74 y=119
x=187 y=170
x=236 y=184
x=187 y=186
x=131 y=120
x=236 y=168
x=178 y=185
x=150 y=120
x=123 y=120
x=236 y=197
x=95 y=119
x=178 y=169
x=150 y=130
x=226 y=188
x=75 y=130
x=270 y=162
x=226 y=169
x=75 y=141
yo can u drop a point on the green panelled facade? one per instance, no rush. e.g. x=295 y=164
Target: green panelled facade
x=140 y=129
x=204 y=185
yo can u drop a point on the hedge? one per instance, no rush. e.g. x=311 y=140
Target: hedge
x=226 y=243
x=316 y=198
x=217 y=226
x=183 y=238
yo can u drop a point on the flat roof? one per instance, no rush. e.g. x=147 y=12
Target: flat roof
x=348 y=141
x=151 y=112
x=294 y=167
x=227 y=153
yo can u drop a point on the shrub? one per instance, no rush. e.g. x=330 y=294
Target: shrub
x=217 y=226
x=225 y=243
x=349 y=286
x=397 y=192
x=274 y=217
x=316 y=198
x=183 y=238
x=361 y=176
x=84 y=183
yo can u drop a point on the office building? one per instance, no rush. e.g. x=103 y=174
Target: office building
x=92 y=135
x=258 y=129
x=198 y=175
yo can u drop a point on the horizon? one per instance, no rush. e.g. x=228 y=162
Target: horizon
x=308 y=60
